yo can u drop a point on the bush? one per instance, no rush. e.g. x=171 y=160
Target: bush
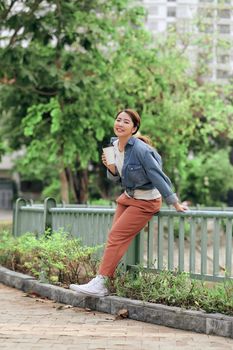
x=56 y=258
x=175 y=290
x=59 y=258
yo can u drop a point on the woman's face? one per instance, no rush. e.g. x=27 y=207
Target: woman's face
x=123 y=125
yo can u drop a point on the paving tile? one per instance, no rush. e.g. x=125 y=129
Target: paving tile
x=29 y=324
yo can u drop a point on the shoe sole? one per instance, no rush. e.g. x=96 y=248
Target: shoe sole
x=84 y=293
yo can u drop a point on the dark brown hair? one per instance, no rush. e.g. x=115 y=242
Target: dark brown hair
x=135 y=117
x=145 y=139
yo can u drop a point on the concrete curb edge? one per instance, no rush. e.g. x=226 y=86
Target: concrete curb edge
x=175 y=317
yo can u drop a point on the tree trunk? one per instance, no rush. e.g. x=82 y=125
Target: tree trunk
x=64 y=186
x=70 y=177
x=80 y=181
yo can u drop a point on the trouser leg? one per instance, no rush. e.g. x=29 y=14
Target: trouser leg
x=132 y=219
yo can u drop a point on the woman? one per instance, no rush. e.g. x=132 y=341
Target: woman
x=139 y=169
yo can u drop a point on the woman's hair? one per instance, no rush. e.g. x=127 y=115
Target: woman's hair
x=135 y=117
x=145 y=139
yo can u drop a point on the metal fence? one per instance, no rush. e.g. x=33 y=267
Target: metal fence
x=197 y=241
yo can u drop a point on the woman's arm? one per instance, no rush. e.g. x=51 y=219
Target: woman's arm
x=161 y=181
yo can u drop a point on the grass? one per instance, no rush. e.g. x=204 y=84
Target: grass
x=5 y=225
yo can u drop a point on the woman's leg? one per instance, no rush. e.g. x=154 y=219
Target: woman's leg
x=124 y=229
x=119 y=210
x=130 y=217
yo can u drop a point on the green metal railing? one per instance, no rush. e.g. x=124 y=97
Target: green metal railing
x=197 y=241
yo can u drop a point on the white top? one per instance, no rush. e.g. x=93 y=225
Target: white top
x=138 y=194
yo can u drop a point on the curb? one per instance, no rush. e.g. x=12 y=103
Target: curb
x=175 y=317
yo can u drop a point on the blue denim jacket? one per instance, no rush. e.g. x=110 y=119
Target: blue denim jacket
x=142 y=169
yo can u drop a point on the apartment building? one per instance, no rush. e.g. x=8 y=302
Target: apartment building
x=209 y=19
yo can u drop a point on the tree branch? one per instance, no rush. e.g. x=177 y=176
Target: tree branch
x=11 y=82
x=5 y=14
x=33 y=9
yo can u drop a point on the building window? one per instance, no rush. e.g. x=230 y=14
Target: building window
x=224 y=28
x=222 y=74
x=223 y=59
x=205 y=12
x=171 y=11
x=224 y=13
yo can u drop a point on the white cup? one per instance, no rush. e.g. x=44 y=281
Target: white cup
x=109 y=154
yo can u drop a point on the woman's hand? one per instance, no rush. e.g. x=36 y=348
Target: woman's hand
x=111 y=167
x=180 y=207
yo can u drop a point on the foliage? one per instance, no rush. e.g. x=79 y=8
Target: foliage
x=57 y=257
x=102 y=202
x=208 y=178
x=53 y=190
x=175 y=290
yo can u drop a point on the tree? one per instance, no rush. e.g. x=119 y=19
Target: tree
x=58 y=77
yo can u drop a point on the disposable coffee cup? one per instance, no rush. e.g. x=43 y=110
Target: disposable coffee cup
x=109 y=154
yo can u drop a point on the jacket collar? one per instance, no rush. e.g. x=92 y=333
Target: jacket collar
x=131 y=141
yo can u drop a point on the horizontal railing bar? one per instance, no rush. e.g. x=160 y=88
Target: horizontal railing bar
x=82 y=210
x=163 y=212
x=210 y=278
x=170 y=208
x=197 y=213
x=35 y=209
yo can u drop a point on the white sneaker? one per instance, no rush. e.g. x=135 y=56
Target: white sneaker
x=96 y=287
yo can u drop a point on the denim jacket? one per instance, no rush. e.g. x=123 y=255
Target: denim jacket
x=142 y=169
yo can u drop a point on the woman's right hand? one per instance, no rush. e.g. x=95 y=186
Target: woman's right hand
x=180 y=207
x=111 y=167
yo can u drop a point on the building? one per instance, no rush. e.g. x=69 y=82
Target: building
x=8 y=182
x=209 y=19
x=12 y=185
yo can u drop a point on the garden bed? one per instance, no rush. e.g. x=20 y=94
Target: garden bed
x=46 y=265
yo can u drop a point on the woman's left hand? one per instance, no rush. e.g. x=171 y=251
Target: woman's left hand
x=180 y=207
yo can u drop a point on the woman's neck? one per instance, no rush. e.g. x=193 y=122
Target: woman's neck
x=122 y=143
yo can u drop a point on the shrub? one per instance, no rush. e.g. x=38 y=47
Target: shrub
x=57 y=257
x=175 y=290
x=207 y=178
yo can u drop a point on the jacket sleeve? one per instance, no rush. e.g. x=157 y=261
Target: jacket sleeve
x=158 y=178
x=114 y=178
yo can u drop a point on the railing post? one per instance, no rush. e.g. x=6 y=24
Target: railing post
x=48 y=204
x=20 y=202
x=132 y=256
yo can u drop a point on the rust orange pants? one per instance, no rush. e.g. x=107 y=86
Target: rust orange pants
x=130 y=217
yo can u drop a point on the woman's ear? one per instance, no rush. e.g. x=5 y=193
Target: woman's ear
x=134 y=130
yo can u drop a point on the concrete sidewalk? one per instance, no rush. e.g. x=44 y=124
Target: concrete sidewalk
x=34 y=323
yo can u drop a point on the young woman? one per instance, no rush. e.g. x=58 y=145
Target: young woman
x=139 y=169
